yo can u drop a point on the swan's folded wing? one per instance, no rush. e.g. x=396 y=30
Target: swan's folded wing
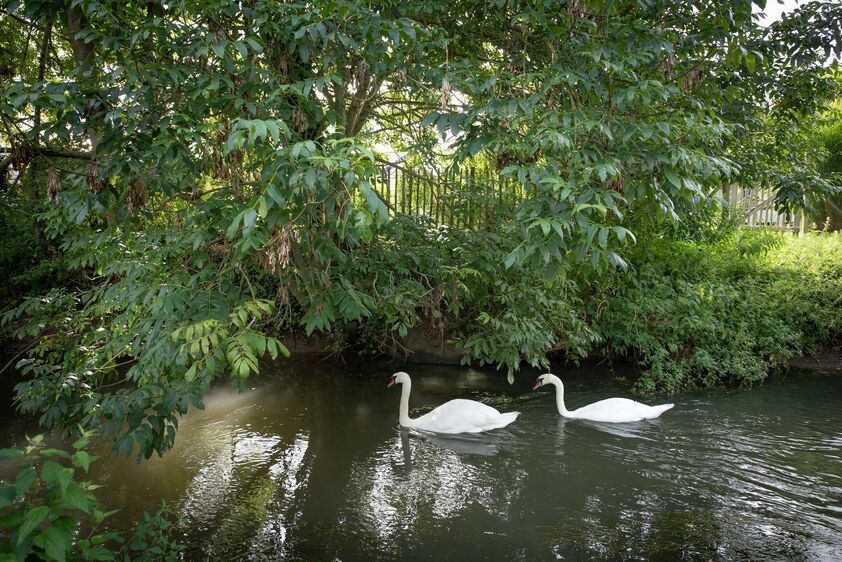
x=618 y=410
x=461 y=416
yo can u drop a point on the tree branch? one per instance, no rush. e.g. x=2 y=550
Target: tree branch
x=51 y=153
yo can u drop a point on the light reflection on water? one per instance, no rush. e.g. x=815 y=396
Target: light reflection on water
x=310 y=464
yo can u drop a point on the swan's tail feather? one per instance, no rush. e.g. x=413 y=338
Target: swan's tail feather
x=506 y=419
x=661 y=409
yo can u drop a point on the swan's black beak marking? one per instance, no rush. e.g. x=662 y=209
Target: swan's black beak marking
x=538 y=384
x=391 y=382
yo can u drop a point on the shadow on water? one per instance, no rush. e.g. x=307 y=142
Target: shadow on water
x=310 y=463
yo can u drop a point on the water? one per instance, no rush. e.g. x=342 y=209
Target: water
x=311 y=464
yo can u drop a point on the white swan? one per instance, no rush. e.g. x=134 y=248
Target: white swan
x=456 y=416
x=611 y=410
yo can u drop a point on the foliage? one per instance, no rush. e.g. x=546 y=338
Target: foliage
x=31 y=263
x=154 y=320
x=451 y=280
x=724 y=313
x=828 y=210
x=182 y=182
x=48 y=514
x=830 y=135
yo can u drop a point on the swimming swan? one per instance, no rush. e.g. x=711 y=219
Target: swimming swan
x=456 y=416
x=611 y=410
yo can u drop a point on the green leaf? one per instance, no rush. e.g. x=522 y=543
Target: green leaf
x=232 y=229
x=673 y=178
x=255 y=46
x=56 y=542
x=125 y=445
x=7 y=496
x=54 y=473
x=219 y=48
x=24 y=480
x=50 y=471
x=31 y=520
x=249 y=219
x=76 y=498
x=83 y=460
x=375 y=204
x=276 y=196
x=97 y=553
x=56 y=453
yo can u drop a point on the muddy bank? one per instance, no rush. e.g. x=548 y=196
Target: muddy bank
x=827 y=360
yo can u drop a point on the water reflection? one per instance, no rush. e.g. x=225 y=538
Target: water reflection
x=418 y=481
x=469 y=444
x=633 y=430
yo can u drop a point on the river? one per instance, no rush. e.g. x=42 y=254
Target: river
x=309 y=463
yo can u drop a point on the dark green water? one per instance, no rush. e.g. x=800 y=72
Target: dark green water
x=311 y=464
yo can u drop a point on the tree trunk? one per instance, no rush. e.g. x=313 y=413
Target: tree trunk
x=82 y=54
x=42 y=67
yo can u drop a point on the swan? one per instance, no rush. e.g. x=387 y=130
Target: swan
x=456 y=416
x=611 y=410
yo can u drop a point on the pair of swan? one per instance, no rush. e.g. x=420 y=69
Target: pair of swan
x=470 y=416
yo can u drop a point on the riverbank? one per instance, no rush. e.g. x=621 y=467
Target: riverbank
x=828 y=359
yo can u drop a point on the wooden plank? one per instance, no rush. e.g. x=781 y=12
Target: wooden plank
x=403 y=193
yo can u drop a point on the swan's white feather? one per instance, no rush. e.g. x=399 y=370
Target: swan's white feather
x=463 y=416
x=618 y=410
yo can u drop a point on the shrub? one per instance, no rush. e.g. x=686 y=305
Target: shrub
x=711 y=315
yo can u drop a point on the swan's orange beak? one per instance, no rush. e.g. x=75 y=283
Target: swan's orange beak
x=538 y=384
x=391 y=383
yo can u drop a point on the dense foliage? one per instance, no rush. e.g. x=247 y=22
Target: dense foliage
x=184 y=184
x=828 y=210
x=722 y=313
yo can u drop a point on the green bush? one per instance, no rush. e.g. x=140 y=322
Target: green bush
x=28 y=261
x=711 y=315
x=454 y=280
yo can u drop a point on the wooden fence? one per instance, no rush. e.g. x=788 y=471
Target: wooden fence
x=470 y=198
x=758 y=209
x=465 y=198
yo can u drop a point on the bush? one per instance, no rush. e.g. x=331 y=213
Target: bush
x=454 y=280
x=711 y=315
x=28 y=261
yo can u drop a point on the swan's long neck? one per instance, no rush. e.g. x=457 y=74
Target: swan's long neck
x=403 y=412
x=559 y=396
